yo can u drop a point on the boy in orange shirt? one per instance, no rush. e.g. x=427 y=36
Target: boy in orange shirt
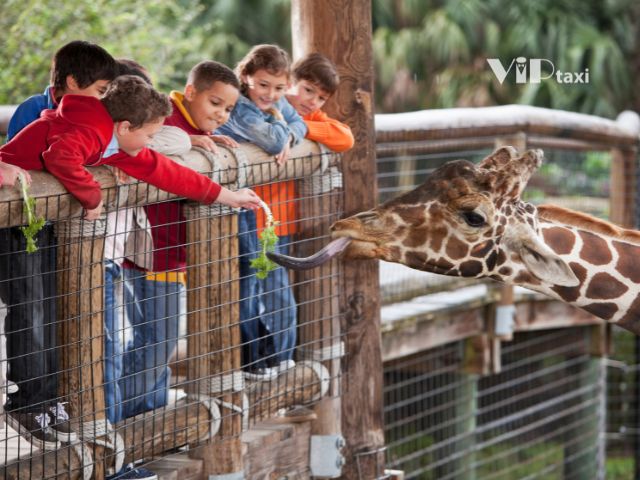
x=315 y=79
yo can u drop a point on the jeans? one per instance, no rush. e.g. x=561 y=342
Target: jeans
x=251 y=327
x=154 y=313
x=28 y=288
x=278 y=309
x=114 y=337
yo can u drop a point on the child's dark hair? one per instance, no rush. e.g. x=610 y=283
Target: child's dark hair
x=208 y=72
x=86 y=62
x=132 y=99
x=126 y=66
x=319 y=70
x=271 y=58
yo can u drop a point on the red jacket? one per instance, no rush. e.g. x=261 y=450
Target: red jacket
x=66 y=140
x=168 y=224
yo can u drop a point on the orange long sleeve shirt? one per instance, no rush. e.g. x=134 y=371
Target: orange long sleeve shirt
x=281 y=196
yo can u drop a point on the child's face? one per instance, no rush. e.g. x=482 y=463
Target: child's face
x=307 y=97
x=210 y=108
x=265 y=89
x=96 y=89
x=132 y=140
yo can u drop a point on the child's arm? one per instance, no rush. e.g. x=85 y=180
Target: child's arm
x=65 y=159
x=162 y=172
x=271 y=135
x=294 y=121
x=9 y=174
x=243 y=198
x=329 y=131
x=208 y=142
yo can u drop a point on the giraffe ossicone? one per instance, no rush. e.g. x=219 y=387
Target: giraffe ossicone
x=470 y=221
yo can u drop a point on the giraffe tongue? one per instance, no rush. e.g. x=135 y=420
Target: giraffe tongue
x=315 y=260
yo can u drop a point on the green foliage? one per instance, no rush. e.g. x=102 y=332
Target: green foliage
x=35 y=224
x=620 y=468
x=168 y=37
x=268 y=242
x=433 y=54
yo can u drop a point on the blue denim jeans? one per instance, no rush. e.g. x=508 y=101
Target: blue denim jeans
x=251 y=327
x=114 y=338
x=154 y=314
x=278 y=309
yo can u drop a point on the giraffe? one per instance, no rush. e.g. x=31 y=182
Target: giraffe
x=469 y=221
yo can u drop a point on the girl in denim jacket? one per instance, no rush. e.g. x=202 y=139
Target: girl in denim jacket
x=264 y=117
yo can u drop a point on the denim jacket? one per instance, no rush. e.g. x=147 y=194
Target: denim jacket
x=248 y=123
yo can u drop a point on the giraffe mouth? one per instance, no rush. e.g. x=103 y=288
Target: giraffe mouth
x=322 y=256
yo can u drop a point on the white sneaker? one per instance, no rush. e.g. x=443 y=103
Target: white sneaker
x=284 y=366
x=261 y=374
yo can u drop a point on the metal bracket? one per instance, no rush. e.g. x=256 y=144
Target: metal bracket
x=325 y=457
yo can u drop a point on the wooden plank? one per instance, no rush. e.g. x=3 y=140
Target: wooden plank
x=542 y=314
x=54 y=202
x=342 y=31
x=153 y=433
x=298 y=386
x=318 y=296
x=623 y=187
x=80 y=305
x=213 y=330
x=275 y=450
x=418 y=334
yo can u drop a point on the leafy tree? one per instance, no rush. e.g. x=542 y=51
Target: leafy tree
x=168 y=37
x=433 y=53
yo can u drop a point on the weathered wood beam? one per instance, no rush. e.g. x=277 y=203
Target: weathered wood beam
x=247 y=165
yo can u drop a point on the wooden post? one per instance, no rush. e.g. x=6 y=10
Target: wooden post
x=213 y=342
x=80 y=305
x=622 y=199
x=342 y=31
x=318 y=297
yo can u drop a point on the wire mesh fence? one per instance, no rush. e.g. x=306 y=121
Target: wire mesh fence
x=148 y=332
x=550 y=409
x=541 y=417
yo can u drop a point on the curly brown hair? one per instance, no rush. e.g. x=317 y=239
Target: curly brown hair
x=130 y=98
x=319 y=70
x=271 y=58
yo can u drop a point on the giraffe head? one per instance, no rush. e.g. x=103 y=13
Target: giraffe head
x=464 y=220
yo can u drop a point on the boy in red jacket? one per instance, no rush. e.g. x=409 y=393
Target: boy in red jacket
x=75 y=136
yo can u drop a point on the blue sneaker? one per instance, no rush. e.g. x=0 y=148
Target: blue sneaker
x=130 y=473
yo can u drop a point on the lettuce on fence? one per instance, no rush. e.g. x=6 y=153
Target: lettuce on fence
x=268 y=241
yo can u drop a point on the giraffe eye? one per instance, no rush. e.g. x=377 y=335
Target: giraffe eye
x=473 y=219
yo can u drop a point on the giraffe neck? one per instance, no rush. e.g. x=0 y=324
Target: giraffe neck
x=607 y=264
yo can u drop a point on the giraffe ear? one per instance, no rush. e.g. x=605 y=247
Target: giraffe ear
x=546 y=265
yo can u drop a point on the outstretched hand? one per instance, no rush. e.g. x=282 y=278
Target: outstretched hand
x=244 y=198
x=9 y=174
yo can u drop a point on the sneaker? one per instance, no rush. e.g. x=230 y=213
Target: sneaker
x=60 y=423
x=34 y=427
x=261 y=374
x=10 y=387
x=284 y=365
x=131 y=473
